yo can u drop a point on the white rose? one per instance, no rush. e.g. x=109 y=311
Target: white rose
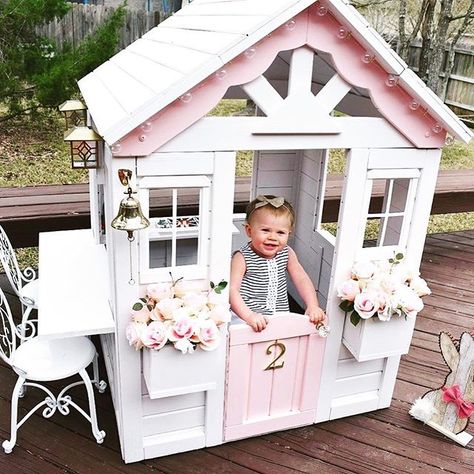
x=220 y=314
x=168 y=306
x=419 y=286
x=194 y=301
x=408 y=301
x=184 y=345
x=215 y=299
x=363 y=270
x=183 y=287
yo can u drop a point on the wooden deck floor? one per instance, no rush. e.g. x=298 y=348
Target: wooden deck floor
x=384 y=441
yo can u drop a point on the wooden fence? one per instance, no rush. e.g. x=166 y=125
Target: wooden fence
x=82 y=20
x=460 y=86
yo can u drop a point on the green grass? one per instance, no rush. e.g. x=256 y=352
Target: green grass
x=34 y=152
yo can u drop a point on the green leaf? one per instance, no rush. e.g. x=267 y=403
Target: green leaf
x=355 y=318
x=391 y=260
x=137 y=306
x=346 y=306
x=143 y=300
x=222 y=284
x=211 y=284
x=399 y=256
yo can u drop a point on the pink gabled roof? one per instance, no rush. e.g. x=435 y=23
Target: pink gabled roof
x=147 y=78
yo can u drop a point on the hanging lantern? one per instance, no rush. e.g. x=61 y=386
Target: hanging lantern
x=74 y=112
x=84 y=147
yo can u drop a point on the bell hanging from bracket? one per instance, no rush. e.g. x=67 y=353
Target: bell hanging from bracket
x=130 y=217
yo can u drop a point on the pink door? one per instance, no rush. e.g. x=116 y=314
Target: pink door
x=273 y=376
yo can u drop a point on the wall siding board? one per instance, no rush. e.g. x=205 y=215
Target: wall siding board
x=173 y=421
x=171 y=404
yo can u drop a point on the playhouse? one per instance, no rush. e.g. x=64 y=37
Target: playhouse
x=299 y=61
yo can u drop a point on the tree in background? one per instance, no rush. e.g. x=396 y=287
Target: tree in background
x=439 y=24
x=34 y=74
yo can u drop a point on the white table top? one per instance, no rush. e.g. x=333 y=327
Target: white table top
x=73 y=285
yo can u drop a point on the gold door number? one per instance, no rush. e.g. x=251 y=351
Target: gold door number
x=278 y=352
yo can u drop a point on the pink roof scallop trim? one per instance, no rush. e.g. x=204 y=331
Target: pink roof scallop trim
x=320 y=32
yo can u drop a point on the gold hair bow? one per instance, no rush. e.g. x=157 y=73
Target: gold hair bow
x=275 y=202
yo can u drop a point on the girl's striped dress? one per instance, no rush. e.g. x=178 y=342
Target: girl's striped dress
x=263 y=287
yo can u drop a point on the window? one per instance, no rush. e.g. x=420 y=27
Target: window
x=177 y=241
x=390 y=195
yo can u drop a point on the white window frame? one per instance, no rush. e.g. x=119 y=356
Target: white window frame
x=391 y=175
x=195 y=271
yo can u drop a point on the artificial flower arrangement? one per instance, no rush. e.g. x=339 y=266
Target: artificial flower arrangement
x=383 y=289
x=179 y=313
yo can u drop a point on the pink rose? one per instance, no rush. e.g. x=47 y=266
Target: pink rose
x=142 y=316
x=208 y=335
x=366 y=304
x=160 y=291
x=348 y=290
x=385 y=309
x=155 y=335
x=183 y=328
x=134 y=333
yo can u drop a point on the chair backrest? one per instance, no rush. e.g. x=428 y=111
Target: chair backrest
x=9 y=262
x=8 y=334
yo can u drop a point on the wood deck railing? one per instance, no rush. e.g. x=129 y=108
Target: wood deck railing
x=26 y=211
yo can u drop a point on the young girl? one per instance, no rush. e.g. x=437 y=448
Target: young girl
x=258 y=269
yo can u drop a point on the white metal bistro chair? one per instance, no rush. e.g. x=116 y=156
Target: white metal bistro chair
x=25 y=284
x=37 y=360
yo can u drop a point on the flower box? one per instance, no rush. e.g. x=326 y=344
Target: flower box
x=375 y=339
x=168 y=372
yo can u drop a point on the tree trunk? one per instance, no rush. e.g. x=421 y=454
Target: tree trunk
x=402 y=37
x=426 y=35
x=448 y=69
x=439 y=47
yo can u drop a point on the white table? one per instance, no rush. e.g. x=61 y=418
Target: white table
x=73 y=285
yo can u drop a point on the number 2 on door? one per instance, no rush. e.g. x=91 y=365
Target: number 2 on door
x=280 y=349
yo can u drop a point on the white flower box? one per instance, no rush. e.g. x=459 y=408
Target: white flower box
x=375 y=339
x=168 y=372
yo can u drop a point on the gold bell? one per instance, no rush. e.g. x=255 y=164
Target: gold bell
x=130 y=217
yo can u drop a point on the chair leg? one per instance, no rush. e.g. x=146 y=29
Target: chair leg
x=98 y=435
x=101 y=385
x=26 y=310
x=8 y=445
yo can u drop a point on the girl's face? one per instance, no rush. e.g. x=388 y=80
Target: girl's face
x=268 y=232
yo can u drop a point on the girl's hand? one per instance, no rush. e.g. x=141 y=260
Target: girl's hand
x=316 y=315
x=258 y=322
